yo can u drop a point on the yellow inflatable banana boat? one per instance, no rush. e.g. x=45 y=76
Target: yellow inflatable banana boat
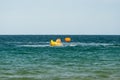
x=56 y=43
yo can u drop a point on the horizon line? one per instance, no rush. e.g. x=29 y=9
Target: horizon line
x=59 y=34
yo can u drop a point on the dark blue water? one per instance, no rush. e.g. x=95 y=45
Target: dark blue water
x=29 y=57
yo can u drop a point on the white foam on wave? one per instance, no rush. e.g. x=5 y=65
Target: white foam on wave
x=71 y=44
x=95 y=44
x=34 y=45
x=87 y=44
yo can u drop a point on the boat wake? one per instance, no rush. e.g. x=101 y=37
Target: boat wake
x=71 y=44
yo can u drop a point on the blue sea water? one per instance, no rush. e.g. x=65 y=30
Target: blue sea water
x=86 y=57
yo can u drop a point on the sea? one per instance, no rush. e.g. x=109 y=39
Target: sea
x=86 y=57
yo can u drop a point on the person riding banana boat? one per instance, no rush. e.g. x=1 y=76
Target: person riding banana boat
x=56 y=43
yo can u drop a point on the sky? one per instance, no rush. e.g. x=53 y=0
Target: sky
x=75 y=17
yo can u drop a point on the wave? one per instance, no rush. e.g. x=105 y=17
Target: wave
x=71 y=44
x=90 y=44
x=26 y=42
x=34 y=45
